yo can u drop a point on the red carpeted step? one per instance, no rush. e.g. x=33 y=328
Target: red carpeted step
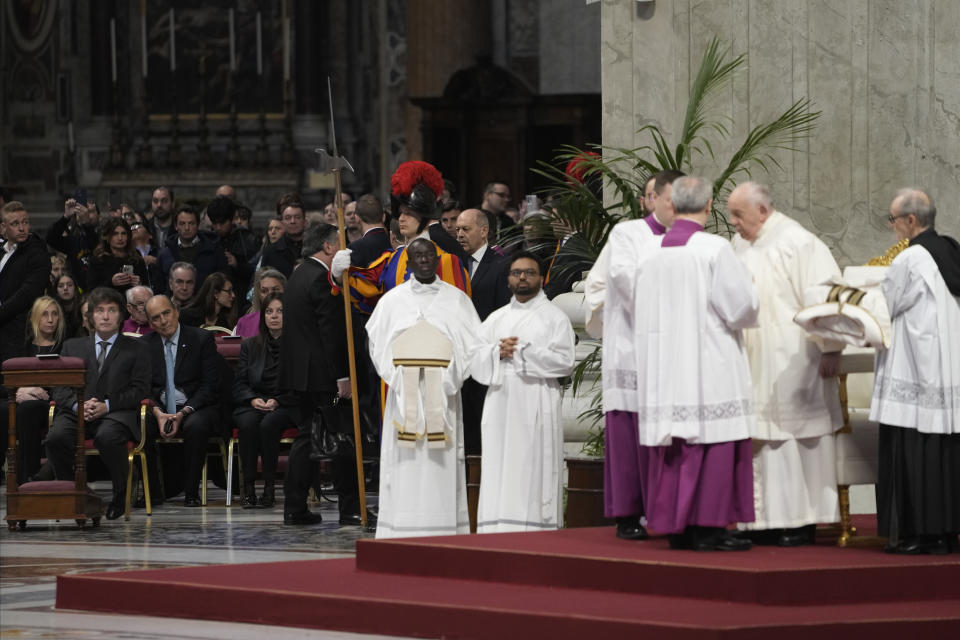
x=333 y=594
x=594 y=558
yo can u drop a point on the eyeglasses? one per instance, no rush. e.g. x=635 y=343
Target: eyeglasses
x=516 y=273
x=502 y=194
x=139 y=306
x=892 y=218
x=230 y=291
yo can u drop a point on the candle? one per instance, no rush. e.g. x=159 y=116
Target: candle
x=233 y=54
x=70 y=142
x=113 y=50
x=286 y=49
x=173 y=44
x=143 y=38
x=259 y=59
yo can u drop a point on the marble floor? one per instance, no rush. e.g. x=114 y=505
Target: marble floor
x=174 y=536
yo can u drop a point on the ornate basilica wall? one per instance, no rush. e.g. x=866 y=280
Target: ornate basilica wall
x=885 y=73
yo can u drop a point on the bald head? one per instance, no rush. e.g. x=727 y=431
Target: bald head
x=162 y=315
x=473 y=229
x=911 y=212
x=228 y=191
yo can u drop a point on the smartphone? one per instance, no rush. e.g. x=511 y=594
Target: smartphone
x=128 y=269
x=168 y=427
x=80 y=195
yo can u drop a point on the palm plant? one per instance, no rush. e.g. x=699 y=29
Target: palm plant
x=579 y=205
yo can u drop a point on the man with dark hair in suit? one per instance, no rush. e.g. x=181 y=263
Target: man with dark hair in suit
x=117 y=379
x=239 y=244
x=185 y=387
x=24 y=274
x=314 y=364
x=374 y=240
x=282 y=255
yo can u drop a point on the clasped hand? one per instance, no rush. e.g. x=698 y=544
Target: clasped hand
x=163 y=418
x=94 y=409
x=264 y=405
x=507 y=347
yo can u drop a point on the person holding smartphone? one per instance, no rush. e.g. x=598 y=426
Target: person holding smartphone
x=116 y=262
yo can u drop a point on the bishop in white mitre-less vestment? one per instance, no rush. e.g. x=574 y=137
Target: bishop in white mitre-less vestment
x=797 y=411
x=422 y=481
x=522 y=427
x=691 y=297
x=916 y=394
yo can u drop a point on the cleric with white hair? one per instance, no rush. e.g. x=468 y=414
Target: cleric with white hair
x=795 y=389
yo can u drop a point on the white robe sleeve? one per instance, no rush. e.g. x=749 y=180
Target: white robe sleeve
x=902 y=288
x=487 y=369
x=554 y=357
x=815 y=265
x=595 y=291
x=733 y=295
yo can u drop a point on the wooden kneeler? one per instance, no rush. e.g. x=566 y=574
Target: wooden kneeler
x=54 y=499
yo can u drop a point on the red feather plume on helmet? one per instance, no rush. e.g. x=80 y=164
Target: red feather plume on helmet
x=574 y=170
x=412 y=172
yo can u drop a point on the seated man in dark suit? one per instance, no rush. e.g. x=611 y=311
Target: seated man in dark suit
x=185 y=383
x=117 y=379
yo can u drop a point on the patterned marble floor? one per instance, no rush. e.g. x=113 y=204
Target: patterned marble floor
x=174 y=536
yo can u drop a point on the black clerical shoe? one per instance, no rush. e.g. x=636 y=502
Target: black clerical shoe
x=267 y=500
x=113 y=511
x=922 y=545
x=354 y=520
x=629 y=528
x=759 y=536
x=798 y=536
x=303 y=517
x=191 y=501
x=679 y=541
x=716 y=539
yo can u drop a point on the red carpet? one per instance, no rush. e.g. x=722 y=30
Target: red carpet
x=572 y=583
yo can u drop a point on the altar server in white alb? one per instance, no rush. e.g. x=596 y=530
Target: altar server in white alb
x=796 y=399
x=691 y=298
x=422 y=483
x=530 y=345
x=916 y=394
x=608 y=315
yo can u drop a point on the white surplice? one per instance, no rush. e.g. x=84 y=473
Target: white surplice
x=610 y=314
x=423 y=490
x=689 y=306
x=917 y=383
x=797 y=411
x=522 y=427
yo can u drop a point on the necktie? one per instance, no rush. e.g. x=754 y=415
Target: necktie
x=473 y=266
x=170 y=360
x=102 y=355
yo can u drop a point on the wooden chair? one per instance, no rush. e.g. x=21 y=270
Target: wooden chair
x=57 y=500
x=233 y=450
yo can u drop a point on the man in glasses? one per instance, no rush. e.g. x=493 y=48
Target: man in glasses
x=496 y=198
x=915 y=396
x=531 y=345
x=137 y=308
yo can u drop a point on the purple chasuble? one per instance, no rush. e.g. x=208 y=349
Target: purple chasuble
x=680 y=232
x=622 y=496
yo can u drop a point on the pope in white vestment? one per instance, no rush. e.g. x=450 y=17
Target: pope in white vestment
x=916 y=395
x=422 y=481
x=522 y=428
x=797 y=411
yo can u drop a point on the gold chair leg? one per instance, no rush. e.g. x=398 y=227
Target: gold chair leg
x=126 y=504
x=847 y=530
x=230 y=471
x=203 y=484
x=145 y=477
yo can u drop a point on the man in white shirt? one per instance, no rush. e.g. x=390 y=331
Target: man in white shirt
x=796 y=399
x=530 y=345
x=916 y=394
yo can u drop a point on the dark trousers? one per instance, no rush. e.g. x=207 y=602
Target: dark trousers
x=259 y=434
x=473 y=394
x=296 y=485
x=196 y=431
x=31 y=425
x=110 y=437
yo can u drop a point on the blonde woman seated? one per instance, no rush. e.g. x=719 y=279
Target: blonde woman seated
x=262 y=411
x=45 y=333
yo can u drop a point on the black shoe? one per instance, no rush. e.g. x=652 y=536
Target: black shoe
x=922 y=545
x=302 y=517
x=267 y=500
x=354 y=520
x=248 y=501
x=679 y=541
x=798 y=536
x=715 y=539
x=191 y=501
x=629 y=528
x=113 y=511
x=761 y=537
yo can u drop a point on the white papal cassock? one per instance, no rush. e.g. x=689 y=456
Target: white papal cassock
x=522 y=429
x=422 y=489
x=797 y=411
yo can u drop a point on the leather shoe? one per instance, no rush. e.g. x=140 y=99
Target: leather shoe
x=303 y=517
x=798 y=536
x=353 y=520
x=629 y=528
x=710 y=539
x=113 y=512
x=191 y=501
x=921 y=545
x=267 y=500
x=248 y=501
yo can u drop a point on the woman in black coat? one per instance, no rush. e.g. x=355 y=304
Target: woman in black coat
x=262 y=411
x=115 y=262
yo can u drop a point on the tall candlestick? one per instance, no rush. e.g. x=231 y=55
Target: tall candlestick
x=173 y=44
x=259 y=44
x=233 y=53
x=286 y=49
x=143 y=39
x=113 y=50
